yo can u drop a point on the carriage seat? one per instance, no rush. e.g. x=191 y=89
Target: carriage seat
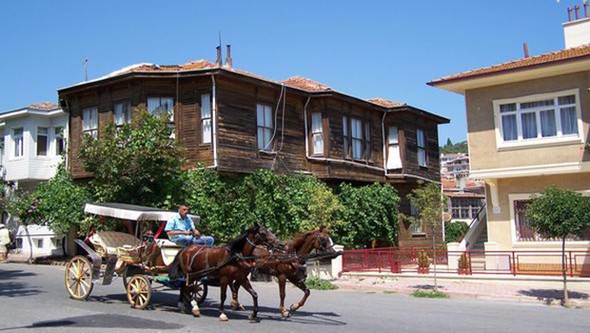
x=111 y=240
x=162 y=242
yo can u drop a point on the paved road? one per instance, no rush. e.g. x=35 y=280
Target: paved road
x=32 y=298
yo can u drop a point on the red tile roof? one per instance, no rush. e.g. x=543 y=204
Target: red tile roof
x=520 y=64
x=385 y=103
x=44 y=106
x=306 y=84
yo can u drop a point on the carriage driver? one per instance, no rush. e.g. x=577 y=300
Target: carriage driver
x=181 y=230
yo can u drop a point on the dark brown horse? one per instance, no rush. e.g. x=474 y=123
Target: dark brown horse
x=289 y=264
x=224 y=264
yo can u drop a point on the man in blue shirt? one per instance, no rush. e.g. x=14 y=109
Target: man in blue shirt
x=181 y=230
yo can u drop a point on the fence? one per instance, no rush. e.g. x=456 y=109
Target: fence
x=405 y=260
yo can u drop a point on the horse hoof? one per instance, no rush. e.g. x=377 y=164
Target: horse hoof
x=223 y=317
x=196 y=313
x=253 y=318
x=237 y=306
x=285 y=313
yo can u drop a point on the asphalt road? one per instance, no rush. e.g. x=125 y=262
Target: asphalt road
x=33 y=298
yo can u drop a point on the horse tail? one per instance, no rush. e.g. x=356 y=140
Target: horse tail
x=175 y=269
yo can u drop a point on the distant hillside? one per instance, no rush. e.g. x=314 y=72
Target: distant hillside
x=450 y=147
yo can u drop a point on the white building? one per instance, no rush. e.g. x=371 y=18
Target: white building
x=33 y=140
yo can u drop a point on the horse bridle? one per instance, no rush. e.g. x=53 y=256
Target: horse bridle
x=269 y=246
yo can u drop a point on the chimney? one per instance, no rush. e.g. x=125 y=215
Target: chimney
x=218 y=60
x=228 y=62
x=576 y=30
x=525 y=47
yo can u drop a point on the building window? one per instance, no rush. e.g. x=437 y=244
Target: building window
x=206 y=118
x=122 y=112
x=17 y=137
x=526 y=233
x=546 y=118
x=39 y=243
x=394 y=160
x=161 y=105
x=421 y=144
x=416 y=227
x=59 y=141
x=345 y=138
x=357 y=138
x=42 y=141
x=317 y=133
x=367 y=134
x=90 y=121
x=264 y=126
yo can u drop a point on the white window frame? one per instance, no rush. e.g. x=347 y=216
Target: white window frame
x=90 y=121
x=421 y=148
x=59 y=136
x=46 y=135
x=19 y=142
x=559 y=139
x=123 y=115
x=317 y=134
x=264 y=127
x=156 y=105
x=206 y=120
x=394 y=160
x=528 y=196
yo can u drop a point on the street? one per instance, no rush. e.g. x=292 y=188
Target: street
x=33 y=298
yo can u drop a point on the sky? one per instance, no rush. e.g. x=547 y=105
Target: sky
x=364 y=48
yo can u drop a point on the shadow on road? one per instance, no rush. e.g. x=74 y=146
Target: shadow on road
x=550 y=295
x=15 y=289
x=427 y=286
x=104 y=321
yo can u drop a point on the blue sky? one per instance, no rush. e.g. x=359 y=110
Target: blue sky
x=368 y=49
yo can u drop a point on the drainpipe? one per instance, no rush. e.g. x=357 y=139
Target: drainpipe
x=214 y=120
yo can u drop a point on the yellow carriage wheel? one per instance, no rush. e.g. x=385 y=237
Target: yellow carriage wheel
x=78 y=278
x=139 y=291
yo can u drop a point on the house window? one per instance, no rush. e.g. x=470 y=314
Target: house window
x=317 y=133
x=356 y=126
x=39 y=243
x=368 y=151
x=122 y=112
x=394 y=160
x=546 y=118
x=161 y=105
x=421 y=144
x=59 y=141
x=416 y=227
x=90 y=121
x=345 y=138
x=42 y=141
x=525 y=231
x=264 y=126
x=17 y=137
x=206 y=118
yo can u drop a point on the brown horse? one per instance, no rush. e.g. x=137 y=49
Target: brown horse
x=224 y=264
x=289 y=264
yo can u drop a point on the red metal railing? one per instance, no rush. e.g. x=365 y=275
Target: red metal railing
x=405 y=259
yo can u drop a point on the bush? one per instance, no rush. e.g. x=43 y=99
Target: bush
x=423 y=259
x=463 y=262
x=455 y=231
x=319 y=284
x=429 y=294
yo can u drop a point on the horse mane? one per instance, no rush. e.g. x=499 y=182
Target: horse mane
x=237 y=244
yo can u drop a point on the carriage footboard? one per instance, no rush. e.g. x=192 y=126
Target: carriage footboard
x=94 y=257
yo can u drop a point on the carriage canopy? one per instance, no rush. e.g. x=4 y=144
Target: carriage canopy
x=132 y=212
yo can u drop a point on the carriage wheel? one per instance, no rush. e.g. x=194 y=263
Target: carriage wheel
x=197 y=291
x=139 y=292
x=78 y=278
x=128 y=272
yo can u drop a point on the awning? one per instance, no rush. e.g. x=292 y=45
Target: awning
x=132 y=212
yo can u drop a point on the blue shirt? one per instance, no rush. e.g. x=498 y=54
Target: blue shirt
x=179 y=224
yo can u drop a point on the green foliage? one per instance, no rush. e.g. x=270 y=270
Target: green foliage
x=454 y=232
x=559 y=212
x=369 y=213
x=137 y=163
x=57 y=203
x=450 y=148
x=423 y=259
x=319 y=284
x=429 y=294
x=430 y=203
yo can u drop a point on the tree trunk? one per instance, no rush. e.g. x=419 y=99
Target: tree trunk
x=30 y=243
x=564 y=272
x=434 y=259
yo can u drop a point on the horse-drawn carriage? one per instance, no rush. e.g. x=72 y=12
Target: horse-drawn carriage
x=139 y=262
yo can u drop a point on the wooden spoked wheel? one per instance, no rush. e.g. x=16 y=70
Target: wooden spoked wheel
x=197 y=291
x=139 y=292
x=78 y=278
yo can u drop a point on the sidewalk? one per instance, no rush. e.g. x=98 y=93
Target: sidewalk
x=533 y=289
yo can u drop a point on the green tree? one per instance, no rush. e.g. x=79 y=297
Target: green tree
x=430 y=203
x=137 y=163
x=560 y=213
x=369 y=213
x=454 y=232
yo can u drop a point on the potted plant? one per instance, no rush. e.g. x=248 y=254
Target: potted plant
x=464 y=268
x=423 y=262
